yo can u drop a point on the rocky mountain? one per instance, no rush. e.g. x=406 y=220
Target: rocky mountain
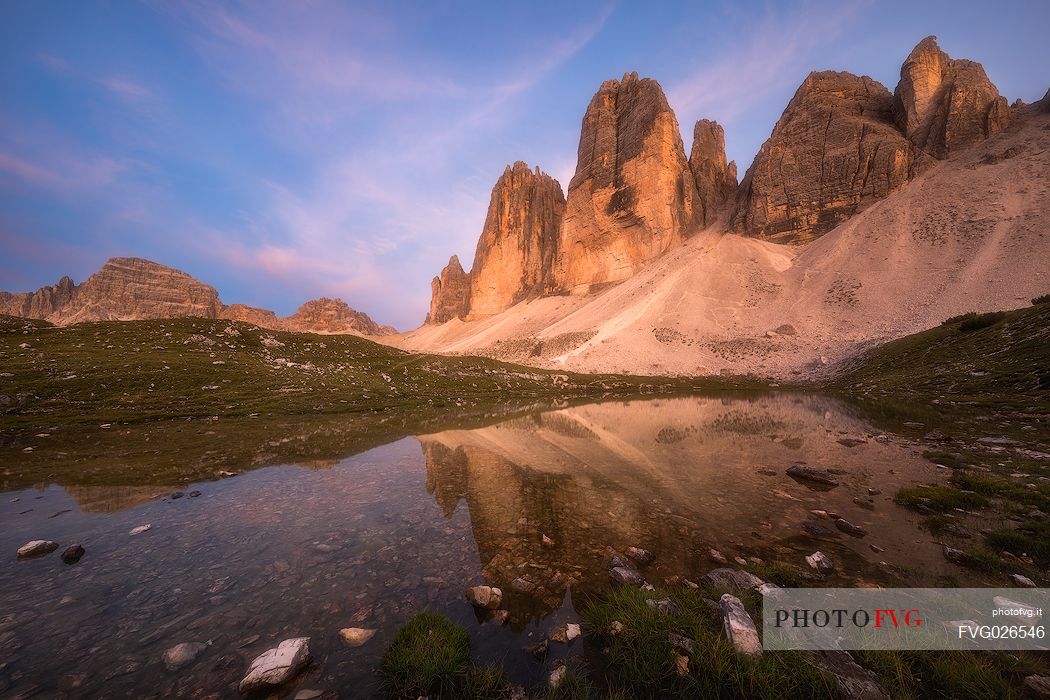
x=326 y=315
x=835 y=149
x=944 y=104
x=715 y=179
x=633 y=196
x=126 y=289
x=449 y=293
x=966 y=234
x=39 y=304
x=516 y=251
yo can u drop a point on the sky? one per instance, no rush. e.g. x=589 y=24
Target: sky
x=282 y=151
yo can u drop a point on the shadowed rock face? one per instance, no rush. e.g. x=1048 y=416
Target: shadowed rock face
x=449 y=293
x=715 y=179
x=516 y=250
x=633 y=196
x=943 y=104
x=834 y=150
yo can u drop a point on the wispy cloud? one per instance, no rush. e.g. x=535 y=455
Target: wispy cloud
x=779 y=47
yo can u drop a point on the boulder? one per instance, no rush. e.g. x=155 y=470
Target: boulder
x=277 y=666
x=739 y=627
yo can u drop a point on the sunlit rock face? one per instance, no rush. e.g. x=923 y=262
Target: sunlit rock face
x=449 y=293
x=944 y=104
x=633 y=196
x=516 y=249
x=133 y=288
x=834 y=150
x=326 y=315
x=39 y=304
x=715 y=178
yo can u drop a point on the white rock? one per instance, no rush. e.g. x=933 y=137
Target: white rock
x=140 y=529
x=739 y=627
x=556 y=677
x=278 y=665
x=356 y=636
x=1022 y=581
x=36 y=548
x=820 y=563
x=182 y=654
x=572 y=631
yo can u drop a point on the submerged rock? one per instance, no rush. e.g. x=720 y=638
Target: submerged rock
x=818 y=476
x=739 y=627
x=356 y=636
x=556 y=677
x=36 y=548
x=849 y=528
x=485 y=597
x=73 y=554
x=140 y=529
x=522 y=585
x=182 y=655
x=277 y=665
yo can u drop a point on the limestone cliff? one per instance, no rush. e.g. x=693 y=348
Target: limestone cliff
x=943 y=104
x=632 y=197
x=834 y=150
x=715 y=179
x=133 y=288
x=449 y=293
x=515 y=253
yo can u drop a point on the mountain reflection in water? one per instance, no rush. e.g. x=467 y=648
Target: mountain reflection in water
x=371 y=539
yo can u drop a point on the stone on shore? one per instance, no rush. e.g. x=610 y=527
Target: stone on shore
x=739 y=627
x=731 y=579
x=820 y=563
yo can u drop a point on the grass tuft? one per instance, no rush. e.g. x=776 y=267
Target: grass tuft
x=430 y=655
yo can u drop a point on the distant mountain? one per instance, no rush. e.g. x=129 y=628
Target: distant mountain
x=126 y=289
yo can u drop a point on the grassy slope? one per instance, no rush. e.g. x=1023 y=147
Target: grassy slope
x=244 y=397
x=1003 y=367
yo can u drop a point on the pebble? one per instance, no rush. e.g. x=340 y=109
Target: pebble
x=182 y=655
x=140 y=529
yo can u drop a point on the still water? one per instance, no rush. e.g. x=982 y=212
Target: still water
x=366 y=541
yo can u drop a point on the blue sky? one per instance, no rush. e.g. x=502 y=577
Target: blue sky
x=282 y=151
